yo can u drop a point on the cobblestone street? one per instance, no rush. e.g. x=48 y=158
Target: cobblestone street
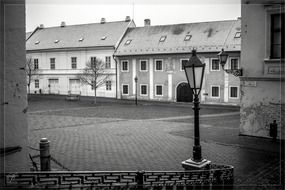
x=117 y=135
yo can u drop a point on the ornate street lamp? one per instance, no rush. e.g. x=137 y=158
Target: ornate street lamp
x=223 y=60
x=194 y=70
x=136 y=81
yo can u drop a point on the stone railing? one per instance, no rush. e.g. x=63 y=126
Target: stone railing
x=216 y=177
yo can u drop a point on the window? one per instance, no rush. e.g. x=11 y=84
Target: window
x=143 y=65
x=81 y=39
x=103 y=38
x=108 y=62
x=125 y=66
x=37 y=42
x=36 y=64
x=128 y=42
x=158 y=90
x=37 y=83
x=162 y=39
x=143 y=89
x=93 y=62
x=158 y=65
x=92 y=85
x=108 y=85
x=73 y=62
x=125 y=89
x=187 y=37
x=233 y=92
x=183 y=63
x=215 y=65
x=234 y=63
x=238 y=35
x=52 y=63
x=215 y=91
x=277 y=39
x=56 y=41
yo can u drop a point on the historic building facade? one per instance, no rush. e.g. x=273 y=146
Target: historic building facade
x=262 y=53
x=156 y=54
x=60 y=53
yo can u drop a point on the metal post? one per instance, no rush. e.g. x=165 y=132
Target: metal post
x=140 y=179
x=44 y=155
x=136 y=93
x=197 y=155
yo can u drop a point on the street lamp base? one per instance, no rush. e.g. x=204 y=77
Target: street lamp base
x=195 y=165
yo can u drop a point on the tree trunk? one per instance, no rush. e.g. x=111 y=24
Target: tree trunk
x=28 y=88
x=95 y=101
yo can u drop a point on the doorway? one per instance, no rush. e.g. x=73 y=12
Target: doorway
x=184 y=93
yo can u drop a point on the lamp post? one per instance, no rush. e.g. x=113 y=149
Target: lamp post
x=194 y=70
x=223 y=60
x=136 y=81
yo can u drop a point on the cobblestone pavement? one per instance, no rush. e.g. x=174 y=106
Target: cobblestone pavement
x=121 y=136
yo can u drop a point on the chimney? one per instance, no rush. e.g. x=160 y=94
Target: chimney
x=128 y=19
x=62 y=24
x=41 y=26
x=103 y=20
x=147 y=22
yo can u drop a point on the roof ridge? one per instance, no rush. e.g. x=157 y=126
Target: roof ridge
x=82 y=24
x=188 y=23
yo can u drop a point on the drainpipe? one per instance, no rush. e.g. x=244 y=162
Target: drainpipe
x=116 y=76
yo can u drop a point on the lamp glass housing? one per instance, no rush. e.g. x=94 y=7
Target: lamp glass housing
x=223 y=58
x=195 y=74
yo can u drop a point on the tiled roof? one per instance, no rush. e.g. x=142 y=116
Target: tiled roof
x=28 y=34
x=204 y=36
x=74 y=36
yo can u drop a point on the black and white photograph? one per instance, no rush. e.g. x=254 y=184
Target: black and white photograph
x=142 y=94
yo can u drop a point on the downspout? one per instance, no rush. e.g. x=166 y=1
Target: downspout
x=116 y=75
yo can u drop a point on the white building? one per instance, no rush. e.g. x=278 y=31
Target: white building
x=60 y=53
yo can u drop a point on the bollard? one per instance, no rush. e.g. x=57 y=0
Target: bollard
x=139 y=180
x=44 y=155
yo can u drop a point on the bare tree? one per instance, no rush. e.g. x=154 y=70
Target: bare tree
x=94 y=74
x=31 y=72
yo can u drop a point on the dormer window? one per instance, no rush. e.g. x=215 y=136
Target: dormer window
x=187 y=37
x=103 y=38
x=37 y=42
x=81 y=39
x=238 y=34
x=56 y=41
x=162 y=38
x=128 y=42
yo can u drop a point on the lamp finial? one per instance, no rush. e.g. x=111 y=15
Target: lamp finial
x=193 y=52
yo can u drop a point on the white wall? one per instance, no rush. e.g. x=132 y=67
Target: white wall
x=63 y=71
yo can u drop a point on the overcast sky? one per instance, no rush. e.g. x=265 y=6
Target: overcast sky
x=160 y=12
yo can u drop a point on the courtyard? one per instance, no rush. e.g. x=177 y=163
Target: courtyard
x=117 y=135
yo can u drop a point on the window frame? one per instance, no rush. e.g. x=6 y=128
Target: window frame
x=108 y=64
x=272 y=32
x=36 y=63
x=181 y=66
x=237 y=92
x=127 y=88
x=146 y=65
x=122 y=66
x=52 y=63
x=156 y=85
x=73 y=63
x=155 y=68
x=219 y=90
x=108 y=85
x=141 y=89
x=230 y=63
x=211 y=65
x=37 y=83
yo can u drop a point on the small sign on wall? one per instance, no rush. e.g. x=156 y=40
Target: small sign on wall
x=274 y=70
x=249 y=83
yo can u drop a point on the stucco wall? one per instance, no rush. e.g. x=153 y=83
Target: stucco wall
x=13 y=119
x=63 y=71
x=261 y=104
x=261 y=87
x=172 y=71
